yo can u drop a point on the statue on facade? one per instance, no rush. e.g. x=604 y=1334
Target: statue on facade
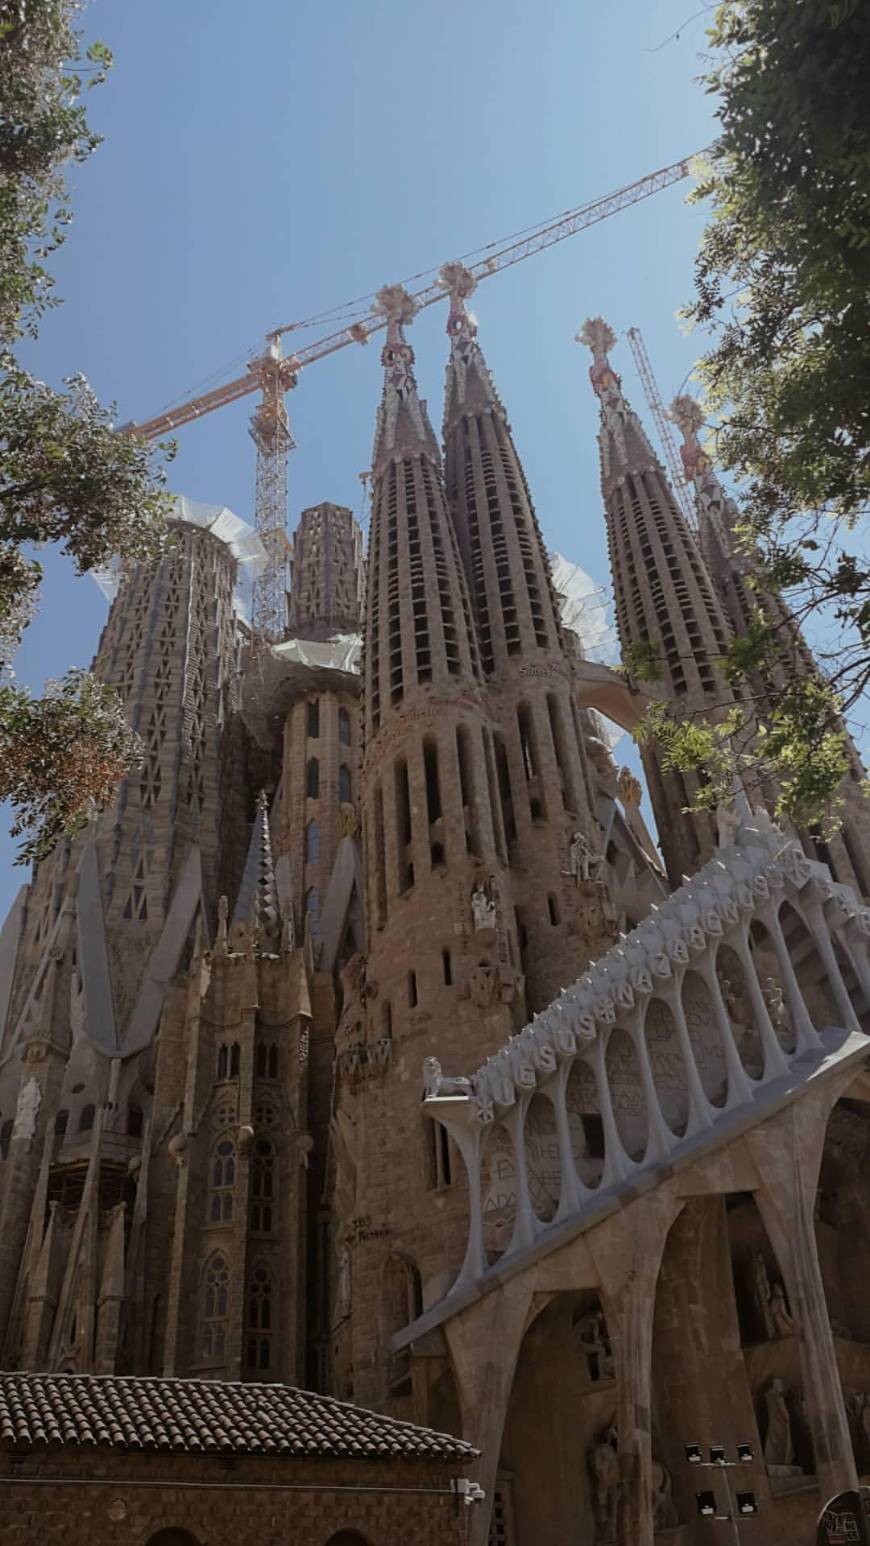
x=584 y=862
x=628 y=787
x=780 y=1314
x=604 y=1469
x=761 y=1281
x=665 y=1516
x=350 y=1031
x=483 y=908
x=344 y=1290
x=27 y=1109
x=223 y=913
x=594 y=1342
x=774 y=999
x=435 y=1083
x=779 y=1440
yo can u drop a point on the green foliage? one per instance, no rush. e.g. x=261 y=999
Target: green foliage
x=642 y=661
x=66 y=476
x=783 y=281
x=61 y=757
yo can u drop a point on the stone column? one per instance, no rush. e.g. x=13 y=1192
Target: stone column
x=629 y=1271
x=788 y=1151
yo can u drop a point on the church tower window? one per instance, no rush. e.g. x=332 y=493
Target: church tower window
x=215 y=1307
x=260 y=1319
x=262 y=1187
x=223 y=1181
x=345 y=785
x=312 y=842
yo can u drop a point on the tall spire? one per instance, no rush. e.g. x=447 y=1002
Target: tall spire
x=713 y=504
x=624 y=444
x=257 y=903
x=469 y=383
x=403 y=423
x=664 y=594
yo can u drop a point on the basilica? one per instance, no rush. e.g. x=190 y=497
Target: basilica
x=370 y=1051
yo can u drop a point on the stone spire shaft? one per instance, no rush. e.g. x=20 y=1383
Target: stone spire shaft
x=664 y=595
x=543 y=784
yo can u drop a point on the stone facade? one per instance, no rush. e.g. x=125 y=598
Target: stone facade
x=364 y=1044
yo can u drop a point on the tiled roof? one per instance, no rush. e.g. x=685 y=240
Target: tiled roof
x=205 y=1415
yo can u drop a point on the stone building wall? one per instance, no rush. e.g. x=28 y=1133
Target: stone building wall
x=77 y=1498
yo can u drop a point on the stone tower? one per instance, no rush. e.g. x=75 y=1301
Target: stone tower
x=231 y=1088
x=95 y=940
x=731 y=569
x=544 y=788
x=326 y=591
x=443 y=957
x=664 y=597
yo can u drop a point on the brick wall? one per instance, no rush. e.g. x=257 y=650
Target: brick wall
x=91 y=1497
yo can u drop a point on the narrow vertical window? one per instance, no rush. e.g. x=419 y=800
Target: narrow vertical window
x=433 y=803
x=560 y=747
x=467 y=790
x=345 y=786
x=216 y=1293
x=312 y=910
x=412 y=989
x=380 y=857
x=504 y=789
x=314 y=719
x=260 y=1319
x=403 y=826
x=222 y=1181
x=312 y=779
x=344 y=727
x=447 y=968
x=262 y=1187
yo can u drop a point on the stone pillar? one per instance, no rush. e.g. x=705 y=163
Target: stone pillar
x=788 y=1151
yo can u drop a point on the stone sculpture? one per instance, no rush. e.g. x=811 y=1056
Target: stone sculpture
x=779 y=1441
x=483 y=907
x=665 y=1516
x=435 y=1083
x=594 y=1343
x=584 y=863
x=780 y=1314
x=27 y=1109
x=604 y=1469
x=761 y=1282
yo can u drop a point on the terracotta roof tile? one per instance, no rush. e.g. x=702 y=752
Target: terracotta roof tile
x=126 y=1412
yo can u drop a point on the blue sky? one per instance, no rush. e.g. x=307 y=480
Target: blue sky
x=264 y=162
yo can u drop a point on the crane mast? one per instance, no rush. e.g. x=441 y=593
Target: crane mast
x=273 y=376
x=663 y=425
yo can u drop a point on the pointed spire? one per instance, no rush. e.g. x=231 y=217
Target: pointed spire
x=402 y=422
x=469 y=383
x=713 y=504
x=624 y=444
x=257 y=902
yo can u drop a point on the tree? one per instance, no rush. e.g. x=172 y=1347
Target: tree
x=783 y=281
x=66 y=476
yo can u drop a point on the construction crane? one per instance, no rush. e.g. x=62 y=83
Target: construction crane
x=663 y=424
x=273 y=375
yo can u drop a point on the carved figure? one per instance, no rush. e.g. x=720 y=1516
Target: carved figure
x=345 y=1288
x=288 y=940
x=780 y=1314
x=223 y=919
x=665 y=1516
x=350 y=1031
x=594 y=1343
x=735 y=1002
x=584 y=862
x=304 y=1145
x=778 y=1441
x=604 y=1467
x=483 y=907
x=762 y=1295
x=728 y=822
x=482 y=985
x=348 y=820
x=27 y=1109
x=435 y=1083
x=774 y=998
x=628 y=787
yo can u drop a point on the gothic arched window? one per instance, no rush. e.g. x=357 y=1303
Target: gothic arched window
x=262 y=1186
x=86 y=1120
x=60 y=1123
x=215 y=1307
x=222 y=1181
x=312 y=779
x=267 y=1060
x=345 y=786
x=344 y=727
x=312 y=842
x=260 y=1319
